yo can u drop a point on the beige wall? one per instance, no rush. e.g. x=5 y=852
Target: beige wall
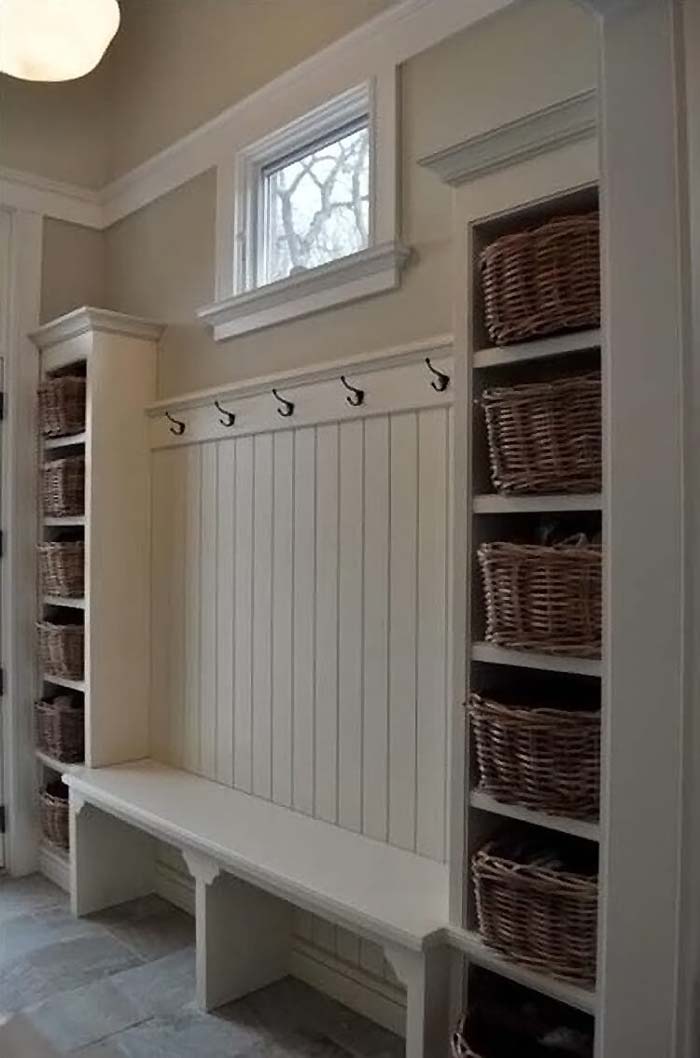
x=178 y=63
x=161 y=260
x=73 y=268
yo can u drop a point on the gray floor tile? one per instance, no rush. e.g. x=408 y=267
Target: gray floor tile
x=23 y=934
x=164 y=986
x=86 y=1015
x=150 y=926
x=189 y=1035
x=22 y=896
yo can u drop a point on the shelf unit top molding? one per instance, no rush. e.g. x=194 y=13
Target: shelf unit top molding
x=84 y=320
x=561 y=123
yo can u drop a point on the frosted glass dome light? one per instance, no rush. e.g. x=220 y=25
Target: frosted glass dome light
x=55 y=40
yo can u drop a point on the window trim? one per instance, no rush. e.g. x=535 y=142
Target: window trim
x=241 y=306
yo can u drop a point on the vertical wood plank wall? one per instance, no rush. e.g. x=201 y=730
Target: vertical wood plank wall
x=300 y=609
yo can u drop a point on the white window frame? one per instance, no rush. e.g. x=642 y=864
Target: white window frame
x=241 y=305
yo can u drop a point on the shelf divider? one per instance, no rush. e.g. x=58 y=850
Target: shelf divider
x=540 y=349
x=579 y=828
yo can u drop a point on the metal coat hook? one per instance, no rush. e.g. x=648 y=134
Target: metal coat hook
x=286 y=409
x=229 y=417
x=357 y=396
x=178 y=427
x=441 y=380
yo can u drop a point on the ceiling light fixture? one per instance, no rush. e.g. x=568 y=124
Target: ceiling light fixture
x=55 y=40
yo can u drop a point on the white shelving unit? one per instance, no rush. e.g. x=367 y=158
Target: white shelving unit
x=116 y=354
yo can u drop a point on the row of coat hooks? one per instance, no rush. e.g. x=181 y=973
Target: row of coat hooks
x=355 y=398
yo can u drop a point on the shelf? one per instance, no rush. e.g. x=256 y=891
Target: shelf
x=62 y=600
x=469 y=942
x=579 y=828
x=521 y=352
x=495 y=504
x=56 y=765
x=526 y=659
x=65 y=523
x=59 y=681
x=64 y=442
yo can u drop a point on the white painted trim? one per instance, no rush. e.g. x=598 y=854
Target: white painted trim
x=543 y=130
x=308 y=376
x=358 y=275
x=87 y=319
x=55 y=866
x=374 y=49
x=52 y=198
x=19 y=522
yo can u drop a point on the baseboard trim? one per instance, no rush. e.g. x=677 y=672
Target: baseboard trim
x=55 y=866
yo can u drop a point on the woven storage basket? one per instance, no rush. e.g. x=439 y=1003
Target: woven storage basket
x=62 y=406
x=545 y=436
x=53 y=812
x=62 y=568
x=545 y=759
x=459 y=1048
x=63 y=487
x=542 y=281
x=61 y=649
x=537 y=911
x=60 y=729
x=546 y=599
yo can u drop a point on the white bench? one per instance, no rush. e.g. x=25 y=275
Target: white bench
x=252 y=862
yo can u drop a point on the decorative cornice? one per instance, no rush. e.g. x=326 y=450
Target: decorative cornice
x=86 y=319
x=356 y=276
x=38 y=194
x=572 y=119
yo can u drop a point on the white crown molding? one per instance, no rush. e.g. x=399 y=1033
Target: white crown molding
x=350 y=278
x=554 y=126
x=85 y=319
x=38 y=194
x=408 y=353
x=392 y=37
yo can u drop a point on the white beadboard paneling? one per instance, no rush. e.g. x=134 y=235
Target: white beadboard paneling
x=262 y=616
x=193 y=625
x=402 y=638
x=208 y=608
x=300 y=619
x=282 y=618
x=376 y=628
x=350 y=607
x=226 y=593
x=304 y=617
x=327 y=567
x=243 y=637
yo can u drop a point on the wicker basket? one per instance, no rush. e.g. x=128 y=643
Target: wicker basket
x=545 y=759
x=542 y=281
x=545 y=436
x=62 y=568
x=546 y=599
x=61 y=649
x=537 y=910
x=459 y=1048
x=63 y=487
x=62 y=406
x=60 y=728
x=53 y=812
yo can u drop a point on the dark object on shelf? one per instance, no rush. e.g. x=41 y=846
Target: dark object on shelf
x=53 y=813
x=542 y=281
x=539 y=907
x=476 y=1038
x=545 y=437
x=60 y=728
x=62 y=568
x=63 y=487
x=545 y=599
x=543 y=758
x=62 y=406
x=61 y=649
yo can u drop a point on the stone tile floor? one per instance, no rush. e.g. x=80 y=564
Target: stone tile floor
x=120 y=984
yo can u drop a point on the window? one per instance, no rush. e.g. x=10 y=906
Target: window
x=316 y=204
x=306 y=215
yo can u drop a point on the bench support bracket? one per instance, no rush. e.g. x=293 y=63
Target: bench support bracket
x=425 y=975
x=243 y=934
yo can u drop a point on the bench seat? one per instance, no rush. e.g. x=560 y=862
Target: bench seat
x=254 y=861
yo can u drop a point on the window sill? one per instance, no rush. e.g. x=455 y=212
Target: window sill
x=350 y=278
